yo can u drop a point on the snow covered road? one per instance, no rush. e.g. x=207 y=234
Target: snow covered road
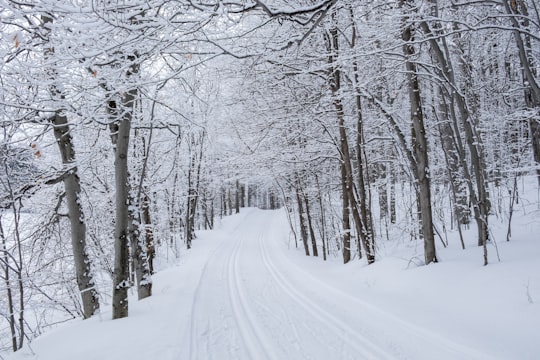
x=243 y=292
x=252 y=302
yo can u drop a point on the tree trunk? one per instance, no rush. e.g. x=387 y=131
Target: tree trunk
x=9 y=293
x=272 y=201
x=121 y=256
x=392 y=182
x=72 y=187
x=193 y=190
x=382 y=187
x=362 y=192
x=237 y=197
x=323 y=219
x=332 y=43
x=419 y=143
x=301 y=219
x=139 y=255
x=120 y=134
x=150 y=246
x=229 y=201
x=480 y=197
x=517 y=9
x=190 y=211
x=310 y=226
x=345 y=218
x=455 y=176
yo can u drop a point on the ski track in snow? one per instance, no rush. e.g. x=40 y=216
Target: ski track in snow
x=252 y=335
x=239 y=338
x=362 y=346
x=251 y=302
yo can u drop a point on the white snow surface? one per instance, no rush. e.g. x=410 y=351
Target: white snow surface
x=244 y=292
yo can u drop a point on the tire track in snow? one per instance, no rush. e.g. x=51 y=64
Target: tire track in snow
x=362 y=346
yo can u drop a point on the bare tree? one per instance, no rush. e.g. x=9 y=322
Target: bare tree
x=72 y=185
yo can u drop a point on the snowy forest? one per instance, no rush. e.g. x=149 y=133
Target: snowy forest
x=128 y=126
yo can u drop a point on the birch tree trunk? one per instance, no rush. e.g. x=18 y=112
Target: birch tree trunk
x=72 y=188
x=121 y=255
x=150 y=245
x=121 y=128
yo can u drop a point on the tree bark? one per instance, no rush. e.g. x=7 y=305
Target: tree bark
x=345 y=218
x=120 y=134
x=310 y=226
x=9 y=292
x=362 y=192
x=121 y=256
x=150 y=246
x=301 y=218
x=517 y=9
x=72 y=188
x=193 y=190
x=332 y=43
x=480 y=196
x=322 y=218
x=419 y=143
x=237 y=197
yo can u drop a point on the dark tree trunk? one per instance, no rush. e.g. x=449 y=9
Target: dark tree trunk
x=519 y=16
x=362 y=192
x=419 y=143
x=242 y=195
x=310 y=225
x=237 y=197
x=301 y=219
x=322 y=218
x=382 y=181
x=480 y=196
x=229 y=201
x=194 y=177
x=9 y=292
x=345 y=218
x=362 y=230
x=272 y=201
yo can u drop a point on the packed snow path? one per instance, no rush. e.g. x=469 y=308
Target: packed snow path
x=252 y=302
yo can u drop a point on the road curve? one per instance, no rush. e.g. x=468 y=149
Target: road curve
x=251 y=303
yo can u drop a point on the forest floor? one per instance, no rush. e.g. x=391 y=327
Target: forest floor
x=245 y=292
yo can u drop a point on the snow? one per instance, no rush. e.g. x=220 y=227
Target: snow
x=242 y=292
